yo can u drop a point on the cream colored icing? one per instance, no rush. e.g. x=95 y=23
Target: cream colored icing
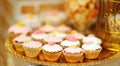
x=91 y=46
x=78 y=35
x=73 y=50
x=52 y=48
x=22 y=38
x=53 y=39
x=63 y=28
x=69 y=43
x=58 y=34
x=39 y=36
x=93 y=39
x=32 y=44
x=47 y=28
x=17 y=29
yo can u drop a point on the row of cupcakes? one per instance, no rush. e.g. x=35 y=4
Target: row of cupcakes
x=52 y=51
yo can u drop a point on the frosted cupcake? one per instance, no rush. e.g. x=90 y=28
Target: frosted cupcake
x=47 y=28
x=91 y=50
x=32 y=48
x=54 y=17
x=30 y=20
x=17 y=29
x=73 y=54
x=39 y=35
x=69 y=41
x=58 y=34
x=63 y=28
x=92 y=38
x=53 y=39
x=52 y=51
x=18 y=42
x=77 y=35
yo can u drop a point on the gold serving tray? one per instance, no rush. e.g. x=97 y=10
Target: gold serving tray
x=105 y=56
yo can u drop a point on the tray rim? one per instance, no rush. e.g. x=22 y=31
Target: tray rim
x=34 y=61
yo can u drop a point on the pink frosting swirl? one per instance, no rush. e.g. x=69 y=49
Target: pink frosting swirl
x=53 y=39
x=22 y=38
x=73 y=50
x=17 y=29
x=32 y=44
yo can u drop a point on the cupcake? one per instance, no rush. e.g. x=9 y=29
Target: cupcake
x=53 y=39
x=63 y=28
x=39 y=35
x=73 y=54
x=17 y=29
x=18 y=42
x=52 y=51
x=30 y=20
x=47 y=28
x=91 y=38
x=91 y=50
x=77 y=35
x=69 y=41
x=58 y=34
x=32 y=48
x=54 y=17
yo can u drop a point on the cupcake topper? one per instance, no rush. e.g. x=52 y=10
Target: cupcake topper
x=89 y=42
x=30 y=16
x=51 y=43
x=20 y=24
x=71 y=38
x=27 y=41
x=73 y=46
x=38 y=32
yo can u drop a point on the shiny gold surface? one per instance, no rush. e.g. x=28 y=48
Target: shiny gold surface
x=104 y=57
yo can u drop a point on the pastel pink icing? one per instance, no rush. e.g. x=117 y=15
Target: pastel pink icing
x=17 y=29
x=71 y=38
x=63 y=28
x=78 y=35
x=38 y=32
x=32 y=44
x=47 y=28
x=73 y=50
x=22 y=38
x=53 y=39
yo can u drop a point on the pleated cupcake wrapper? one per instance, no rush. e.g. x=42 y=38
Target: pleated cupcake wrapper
x=18 y=47
x=92 y=54
x=51 y=56
x=73 y=57
x=41 y=56
x=32 y=52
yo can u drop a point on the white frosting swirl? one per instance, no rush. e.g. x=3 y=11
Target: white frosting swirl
x=39 y=36
x=52 y=48
x=91 y=46
x=69 y=43
x=93 y=39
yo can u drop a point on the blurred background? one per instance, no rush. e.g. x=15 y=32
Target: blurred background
x=12 y=10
